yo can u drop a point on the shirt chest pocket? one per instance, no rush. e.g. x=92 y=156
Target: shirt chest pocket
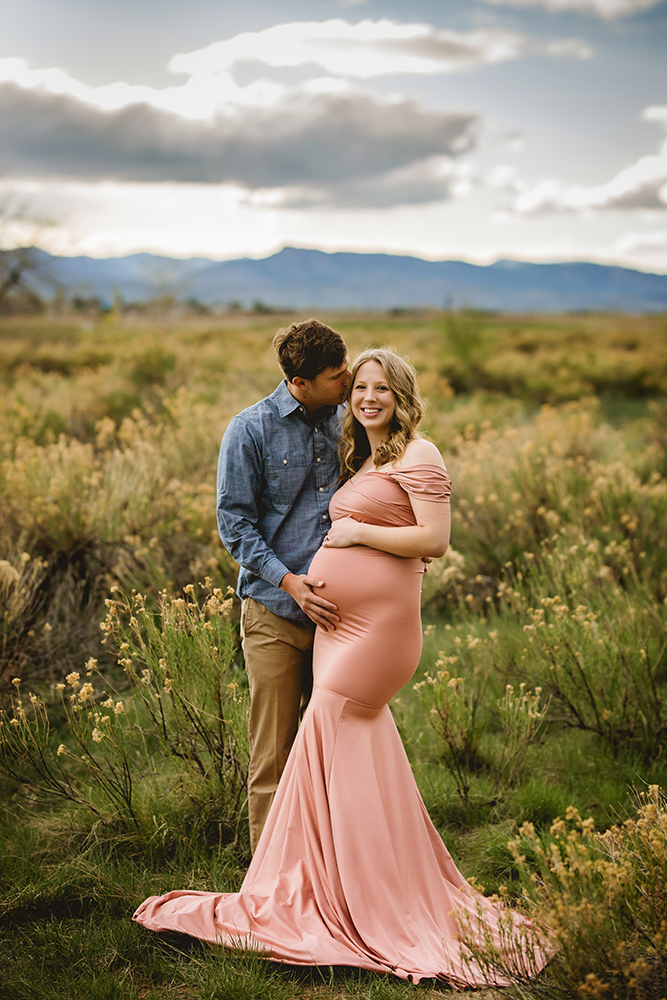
x=286 y=476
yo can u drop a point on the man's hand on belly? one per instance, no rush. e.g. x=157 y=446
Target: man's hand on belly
x=319 y=610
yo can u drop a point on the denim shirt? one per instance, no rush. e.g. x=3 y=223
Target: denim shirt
x=276 y=476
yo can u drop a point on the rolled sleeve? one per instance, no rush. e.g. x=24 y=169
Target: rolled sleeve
x=274 y=571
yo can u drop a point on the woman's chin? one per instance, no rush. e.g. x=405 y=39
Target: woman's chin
x=377 y=426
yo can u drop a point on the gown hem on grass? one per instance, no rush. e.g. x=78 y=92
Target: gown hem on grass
x=349 y=870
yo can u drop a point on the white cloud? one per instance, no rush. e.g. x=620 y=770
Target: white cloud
x=182 y=220
x=601 y=8
x=197 y=99
x=651 y=244
x=655 y=113
x=515 y=141
x=503 y=175
x=109 y=218
x=370 y=49
x=436 y=178
x=323 y=141
x=339 y=141
x=640 y=186
x=344 y=51
x=568 y=48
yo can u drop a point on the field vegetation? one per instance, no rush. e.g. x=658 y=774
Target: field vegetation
x=536 y=723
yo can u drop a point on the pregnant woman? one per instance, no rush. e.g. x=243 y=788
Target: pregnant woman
x=349 y=869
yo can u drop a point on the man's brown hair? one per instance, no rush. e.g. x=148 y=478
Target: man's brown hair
x=306 y=349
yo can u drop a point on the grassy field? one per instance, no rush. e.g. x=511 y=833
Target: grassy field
x=537 y=721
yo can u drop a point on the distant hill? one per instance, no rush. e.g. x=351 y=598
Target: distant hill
x=313 y=279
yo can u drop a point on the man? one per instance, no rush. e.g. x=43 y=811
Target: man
x=277 y=471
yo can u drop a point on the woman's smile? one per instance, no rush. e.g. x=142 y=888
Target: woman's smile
x=373 y=402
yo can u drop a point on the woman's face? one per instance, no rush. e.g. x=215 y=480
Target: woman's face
x=373 y=403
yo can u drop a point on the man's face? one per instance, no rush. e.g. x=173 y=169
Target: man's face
x=328 y=388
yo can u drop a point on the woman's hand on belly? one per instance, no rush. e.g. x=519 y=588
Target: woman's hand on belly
x=429 y=537
x=344 y=531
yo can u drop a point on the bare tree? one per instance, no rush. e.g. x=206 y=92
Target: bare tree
x=23 y=274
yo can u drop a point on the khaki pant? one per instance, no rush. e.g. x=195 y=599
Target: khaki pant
x=278 y=659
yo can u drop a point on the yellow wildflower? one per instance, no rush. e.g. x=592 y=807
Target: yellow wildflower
x=86 y=692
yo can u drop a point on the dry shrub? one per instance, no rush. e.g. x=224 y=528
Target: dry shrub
x=592 y=635
x=600 y=899
x=136 y=506
x=175 y=723
x=21 y=579
x=578 y=621
x=517 y=487
x=108 y=454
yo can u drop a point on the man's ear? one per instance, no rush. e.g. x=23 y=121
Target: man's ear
x=298 y=382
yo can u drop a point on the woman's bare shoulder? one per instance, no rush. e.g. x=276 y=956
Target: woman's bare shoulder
x=421 y=452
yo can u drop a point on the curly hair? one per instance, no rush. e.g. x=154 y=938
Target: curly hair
x=306 y=349
x=410 y=408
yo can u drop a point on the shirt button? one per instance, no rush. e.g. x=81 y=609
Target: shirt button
x=324 y=517
x=284 y=461
x=321 y=489
x=319 y=459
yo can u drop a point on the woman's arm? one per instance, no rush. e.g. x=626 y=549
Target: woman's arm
x=428 y=537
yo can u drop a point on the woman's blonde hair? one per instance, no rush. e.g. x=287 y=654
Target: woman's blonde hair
x=410 y=408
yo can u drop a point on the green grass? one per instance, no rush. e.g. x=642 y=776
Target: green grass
x=66 y=931
x=108 y=446
x=72 y=882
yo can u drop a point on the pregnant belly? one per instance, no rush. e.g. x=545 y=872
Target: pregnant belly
x=375 y=647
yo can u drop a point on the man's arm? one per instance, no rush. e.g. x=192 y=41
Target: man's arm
x=240 y=484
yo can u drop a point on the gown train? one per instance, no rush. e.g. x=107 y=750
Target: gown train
x=349 y=869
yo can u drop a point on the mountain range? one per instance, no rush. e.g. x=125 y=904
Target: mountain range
x=299 y=278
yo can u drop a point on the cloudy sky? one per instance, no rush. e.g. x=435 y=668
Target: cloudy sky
x=462 y=129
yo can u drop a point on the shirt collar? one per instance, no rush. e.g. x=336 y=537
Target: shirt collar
x=288 y=404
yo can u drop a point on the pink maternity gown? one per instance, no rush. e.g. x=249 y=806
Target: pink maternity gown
x=349 y=869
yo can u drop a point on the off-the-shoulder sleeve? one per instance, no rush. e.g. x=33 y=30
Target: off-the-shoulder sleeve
x=427 y=482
